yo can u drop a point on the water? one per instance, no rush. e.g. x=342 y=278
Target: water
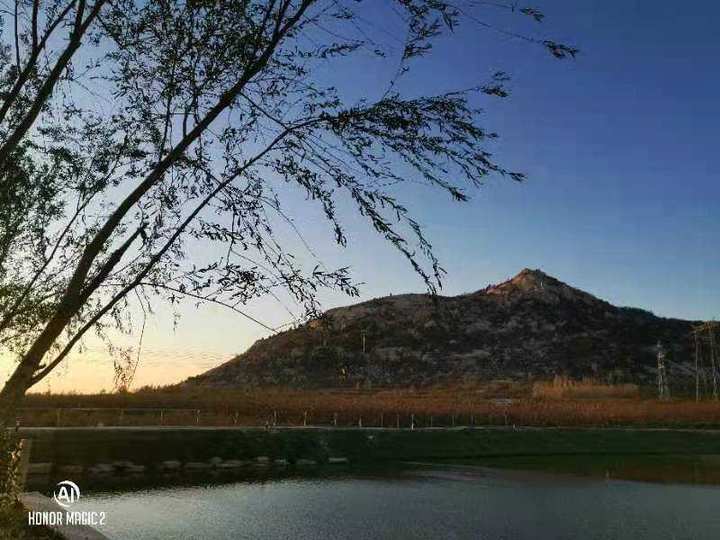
x=451 y=502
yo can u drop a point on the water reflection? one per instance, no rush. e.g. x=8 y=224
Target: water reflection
x=428 y=501
x=662 y=468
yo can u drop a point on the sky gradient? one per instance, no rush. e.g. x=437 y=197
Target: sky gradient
x=622 y=198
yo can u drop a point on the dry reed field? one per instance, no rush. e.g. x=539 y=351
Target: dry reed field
x=566 y=388
x=494 y=404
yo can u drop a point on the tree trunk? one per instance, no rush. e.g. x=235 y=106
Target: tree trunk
x=13 y=393
x=11 y=397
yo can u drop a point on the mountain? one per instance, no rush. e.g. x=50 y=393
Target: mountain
x=532 y=326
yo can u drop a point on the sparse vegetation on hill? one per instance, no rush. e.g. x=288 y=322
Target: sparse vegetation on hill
x=530 y=327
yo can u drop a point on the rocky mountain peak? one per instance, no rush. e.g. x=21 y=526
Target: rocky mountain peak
x=527 y=281
x=530 y=326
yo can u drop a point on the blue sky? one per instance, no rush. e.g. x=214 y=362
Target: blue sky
x=622 y=199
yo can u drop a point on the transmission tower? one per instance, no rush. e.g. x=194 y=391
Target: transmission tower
x=706 y=346
x=663 y=388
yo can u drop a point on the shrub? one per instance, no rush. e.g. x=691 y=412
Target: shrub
x=9 y=466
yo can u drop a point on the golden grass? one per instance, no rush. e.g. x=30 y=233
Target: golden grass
x=565 y=388
x=436 y=406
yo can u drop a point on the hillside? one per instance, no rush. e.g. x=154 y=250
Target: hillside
x=532 y=326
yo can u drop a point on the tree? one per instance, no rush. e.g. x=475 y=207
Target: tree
x=132 y=131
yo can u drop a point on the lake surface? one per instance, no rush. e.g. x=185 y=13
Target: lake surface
x=433 y=502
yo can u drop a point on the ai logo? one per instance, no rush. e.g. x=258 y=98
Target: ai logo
x=66 y=493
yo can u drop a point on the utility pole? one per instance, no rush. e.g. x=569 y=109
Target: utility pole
x=663 y=389
x=697 y=367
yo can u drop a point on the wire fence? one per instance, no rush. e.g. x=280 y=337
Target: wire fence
x=103 y=417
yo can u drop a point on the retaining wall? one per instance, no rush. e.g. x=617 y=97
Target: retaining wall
x=149 y=446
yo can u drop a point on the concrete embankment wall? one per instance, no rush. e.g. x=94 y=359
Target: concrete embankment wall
x=150 y=446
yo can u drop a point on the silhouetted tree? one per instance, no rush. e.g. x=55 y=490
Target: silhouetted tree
x=130 y=132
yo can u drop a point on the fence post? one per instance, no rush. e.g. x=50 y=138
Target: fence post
x=431 y=421
x=162 y=417
x=274 y=418
x=382 y=420
x=412 y=422
x=122 y=415
x=197 y=416
x=397 y=420
x=335 y=419
x=305 y=418
x=360 y=421
x=58 y=414
x=452 y=419
x=235 y=418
